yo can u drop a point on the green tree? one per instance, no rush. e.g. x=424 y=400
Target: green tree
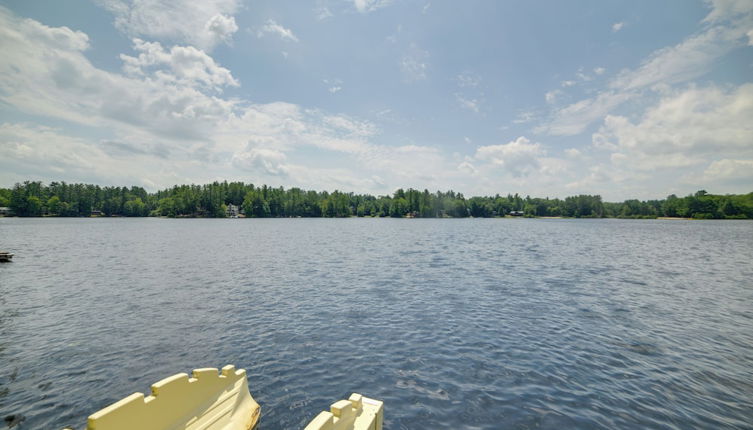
x=33 y=206
x=254 y=205
x=134 y=207
x=53 y=205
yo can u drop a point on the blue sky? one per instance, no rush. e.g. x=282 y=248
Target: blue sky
x=547 y=98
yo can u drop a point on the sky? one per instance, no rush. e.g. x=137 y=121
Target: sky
x=626 y=99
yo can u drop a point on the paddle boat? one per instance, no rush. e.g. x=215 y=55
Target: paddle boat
x=219 y=400
x=5 y=257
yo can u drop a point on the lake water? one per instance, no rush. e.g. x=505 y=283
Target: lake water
x=466 y=323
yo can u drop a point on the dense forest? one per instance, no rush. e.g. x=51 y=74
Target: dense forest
x=33 y=198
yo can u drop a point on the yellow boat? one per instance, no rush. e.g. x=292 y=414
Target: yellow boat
x=219 y=400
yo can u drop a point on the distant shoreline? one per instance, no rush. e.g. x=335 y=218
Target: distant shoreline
x=380 y=217
x=235 y=199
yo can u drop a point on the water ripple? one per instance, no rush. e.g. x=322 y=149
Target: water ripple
x=478 y=324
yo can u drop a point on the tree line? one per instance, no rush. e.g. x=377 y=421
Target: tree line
x=33 y=198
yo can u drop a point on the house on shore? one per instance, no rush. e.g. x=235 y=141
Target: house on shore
x=232 y=211
x=517 y=213
x=6 y=211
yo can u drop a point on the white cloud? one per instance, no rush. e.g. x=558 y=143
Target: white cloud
x=220 y=28
x=163 y=105
x=46 y=73
x=425 y=8
x=187 y=65
x=684 y=129
x=365 y=6
x=726 y=170
x=45 y=153
x=272 y=27
x=573 y=119
x=269 y=161
x=693 y=57
x=617 y=26
x=200 y=23
x=750 y=38
x=680 y=63
x=599 y=70
x=25 y=145
x=518 y=157
x=723 y=10
x=467 y=167
x=568 y=83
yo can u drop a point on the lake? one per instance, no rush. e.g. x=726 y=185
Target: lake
x=454 y=323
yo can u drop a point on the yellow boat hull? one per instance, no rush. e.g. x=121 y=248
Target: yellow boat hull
x=207 y=400
x=212 y=400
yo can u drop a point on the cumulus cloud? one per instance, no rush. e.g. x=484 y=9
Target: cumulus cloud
x=46 y=73
x=685 y=128
x=617 y=26
x=185 y=65
x=518 y=157
x=270 y=161
x=220 y=28
x=167 y=101
x=272 y=27
x=366 y=6
x=200 y=23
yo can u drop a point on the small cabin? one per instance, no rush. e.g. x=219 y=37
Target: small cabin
x=6 y=211
x=232 y=211
x=516 y=213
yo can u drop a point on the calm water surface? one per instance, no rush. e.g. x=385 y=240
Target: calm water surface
x=477 y=323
